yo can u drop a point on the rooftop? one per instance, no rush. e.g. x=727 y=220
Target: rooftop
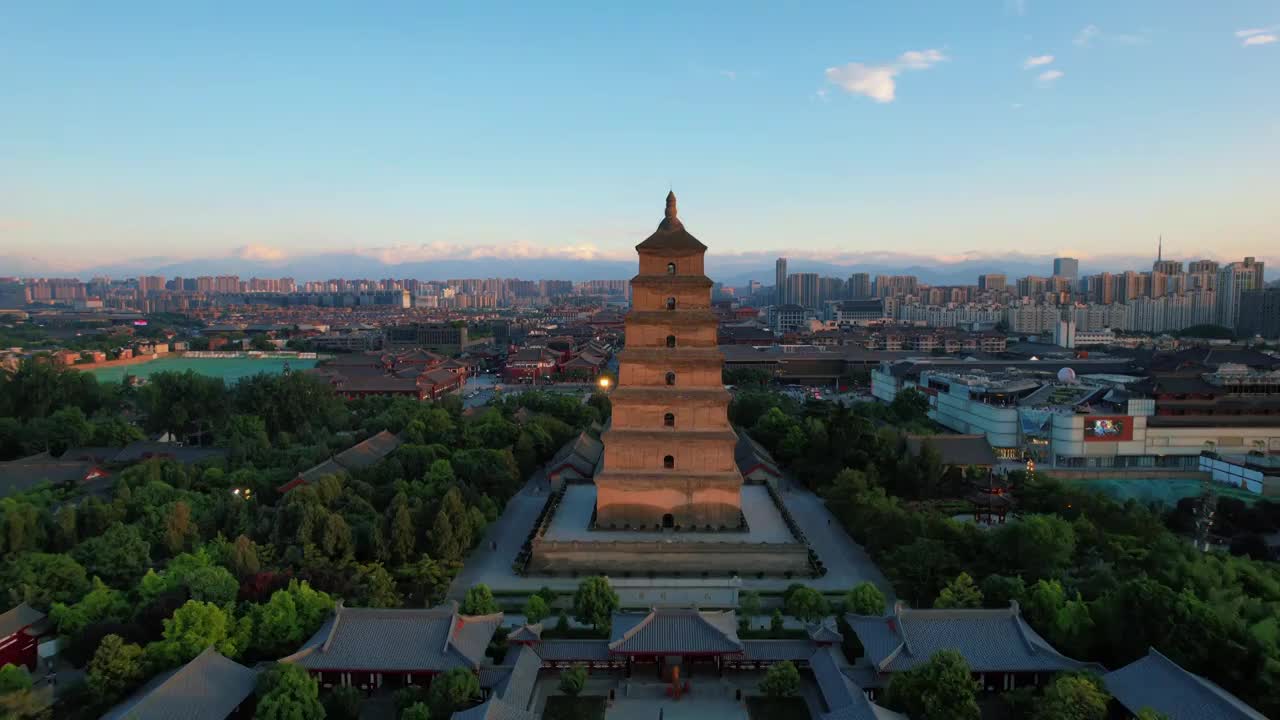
x=996 y=640
x=665 y=630
x=432 y=639
x=1159 y=683
x=209 y=687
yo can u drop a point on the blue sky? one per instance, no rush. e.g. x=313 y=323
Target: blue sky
x=421 y=130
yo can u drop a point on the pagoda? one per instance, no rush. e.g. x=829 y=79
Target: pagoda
x=669 y=452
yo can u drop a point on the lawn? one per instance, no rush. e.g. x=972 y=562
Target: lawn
x=583 y=707
x=789 y=708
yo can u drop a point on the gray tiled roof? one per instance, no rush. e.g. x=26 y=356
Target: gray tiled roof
x=517 y=687
x=185 y=454
x=843 y=698
x=1159 y=683
x=23 y=474
x=18 y=618
x=776 y=650
x=824 y=632
x=526 y=633
x=584 y=650
x=209 y=687
x=368 y=452
x=402 y=640
x=955 y=449
x=990 y=640
x=675 y=630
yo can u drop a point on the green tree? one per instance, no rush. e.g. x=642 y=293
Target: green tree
x=960 y=593
x=1000 y=590
x=940 y=689
x=807 y=604
x=1037 y=546
x=573 y=680
x=865 y=599
x=920 y=568
x=245 y=438
x=100 y=604
x=416 y=711
x=425 y=581
x=749 y=604
x=401 y=533
x=194 y=627
x=41 y=579
x=781 y=680
x=214 y=584
x=775 y=622
x=1147 y=713
x=116 y=668
x=119 y=556
x=343 y=703
x=14 y=678
x=288 y=692
x=453 y=690
x=289 y=617
x=243 y=557
x=1073 y=697
x=375 y=587
x=535 y=609
x=595 y=602
x=1043 y=602
x=479 y=601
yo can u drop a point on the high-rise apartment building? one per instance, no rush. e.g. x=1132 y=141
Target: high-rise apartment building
x=1066 y=267
x=859 y=286
x=802 y=289
x=993 y=282
x=1260 y=312
x=1233 y=280
x=780 y=281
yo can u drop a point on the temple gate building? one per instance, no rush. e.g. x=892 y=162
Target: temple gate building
x=669 y=454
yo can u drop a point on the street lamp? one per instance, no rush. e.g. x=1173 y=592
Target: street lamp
x=604 y=383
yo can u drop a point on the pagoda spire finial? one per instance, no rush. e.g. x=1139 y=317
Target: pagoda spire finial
x=671 y=205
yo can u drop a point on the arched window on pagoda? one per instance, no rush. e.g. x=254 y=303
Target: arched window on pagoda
x=671 y=268
x=671 y=341
x=669 y=462
x=671 y=378
x=669 y=420
x=671 y=303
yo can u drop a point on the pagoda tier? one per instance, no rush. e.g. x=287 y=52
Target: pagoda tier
x=669 y=451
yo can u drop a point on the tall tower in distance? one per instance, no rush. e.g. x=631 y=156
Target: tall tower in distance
x=669 y=452
x=780 y=282
x=1066 y=267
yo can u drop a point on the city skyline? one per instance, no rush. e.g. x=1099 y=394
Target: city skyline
x=148 y=137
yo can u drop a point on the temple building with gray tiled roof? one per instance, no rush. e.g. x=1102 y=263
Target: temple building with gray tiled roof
x=361 y=646
x=1003 y=651
x=510 y=696
x=843 y=698
x=210 y=687
x=1158 y=683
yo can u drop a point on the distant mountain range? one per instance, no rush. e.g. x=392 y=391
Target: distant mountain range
x=732 y=270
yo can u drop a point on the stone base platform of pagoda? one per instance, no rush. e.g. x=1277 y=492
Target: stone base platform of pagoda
x=567 y=543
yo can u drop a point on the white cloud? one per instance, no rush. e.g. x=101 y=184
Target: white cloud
x=920 y=59
x=878 y=82
x=1086 y=36
x=1036 y=61
x=1256 y=31
x=1048 y=76
x=1260 y=39
x=731 y=74
x=1090 y=34
x=263 y=253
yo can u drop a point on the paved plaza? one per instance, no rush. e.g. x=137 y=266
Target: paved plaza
x=491 y=562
